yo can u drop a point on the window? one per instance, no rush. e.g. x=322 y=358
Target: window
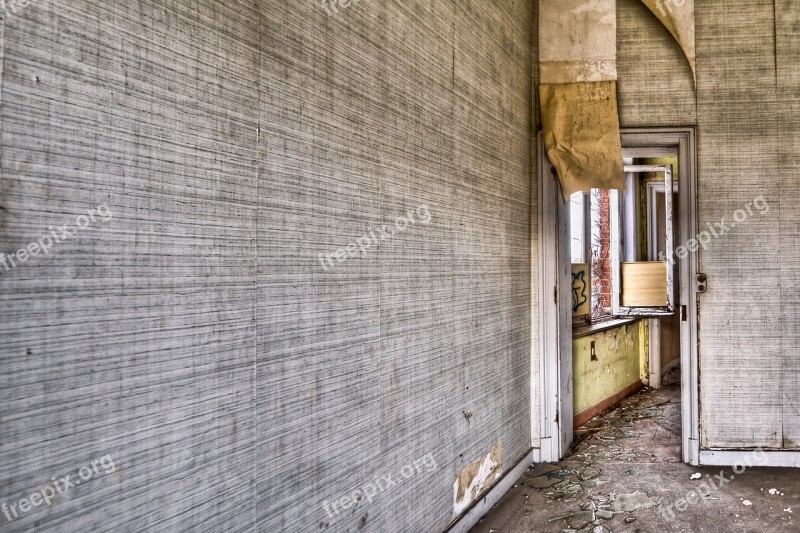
x=590 y=241
x=601 y=255
x=577 y=227
x=641 y=287
x=610 y=276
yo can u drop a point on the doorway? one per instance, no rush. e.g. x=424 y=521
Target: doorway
x=664 y=332
x=674 y=327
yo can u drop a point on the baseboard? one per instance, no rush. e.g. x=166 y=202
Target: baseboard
x=745 y=458
x=478 y=509
x=584 y=416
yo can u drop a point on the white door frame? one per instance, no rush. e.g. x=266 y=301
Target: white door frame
x=555 y=378
x=654 y=324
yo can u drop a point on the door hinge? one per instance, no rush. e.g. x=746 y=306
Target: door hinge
x=684 y=314
x=555 y=295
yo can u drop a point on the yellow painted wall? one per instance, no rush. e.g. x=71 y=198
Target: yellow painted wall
x=622 y=361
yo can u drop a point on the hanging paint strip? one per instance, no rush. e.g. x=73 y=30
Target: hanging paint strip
x=578 y=73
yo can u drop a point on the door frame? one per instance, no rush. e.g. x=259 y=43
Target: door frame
x=555 y=403
x=555 y=336
x=654 y=324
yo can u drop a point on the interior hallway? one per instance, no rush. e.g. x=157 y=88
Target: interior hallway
x=624 y=474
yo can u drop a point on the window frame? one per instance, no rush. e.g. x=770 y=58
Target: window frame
x=616 y=248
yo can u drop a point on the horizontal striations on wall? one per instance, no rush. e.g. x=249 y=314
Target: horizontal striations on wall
x=132 y=338
x=741 y=332
x=418 y=345
x=535 y=325
x=492 y=261
x=655 y=85
x=788 y=65
x=308 y=265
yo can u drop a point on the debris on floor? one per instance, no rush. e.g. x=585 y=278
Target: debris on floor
x=632 y=502
x=625 y=474
x=572 y=481
x=542 y=469
x=580 y=519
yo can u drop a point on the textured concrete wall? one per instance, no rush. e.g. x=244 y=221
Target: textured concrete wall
x=745 y=109
x=195 y=336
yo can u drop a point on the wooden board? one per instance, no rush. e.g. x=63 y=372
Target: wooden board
x=644 y=284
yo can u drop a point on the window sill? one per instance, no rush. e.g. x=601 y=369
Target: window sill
x=584 y=330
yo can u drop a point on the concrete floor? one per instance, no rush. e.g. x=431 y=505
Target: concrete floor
x=636 y=449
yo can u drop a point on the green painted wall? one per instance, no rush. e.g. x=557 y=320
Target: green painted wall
x=621 y=361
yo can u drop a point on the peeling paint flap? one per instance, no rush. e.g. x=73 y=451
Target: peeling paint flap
x=678 y=17
x=578 y=73
x=580 y=124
